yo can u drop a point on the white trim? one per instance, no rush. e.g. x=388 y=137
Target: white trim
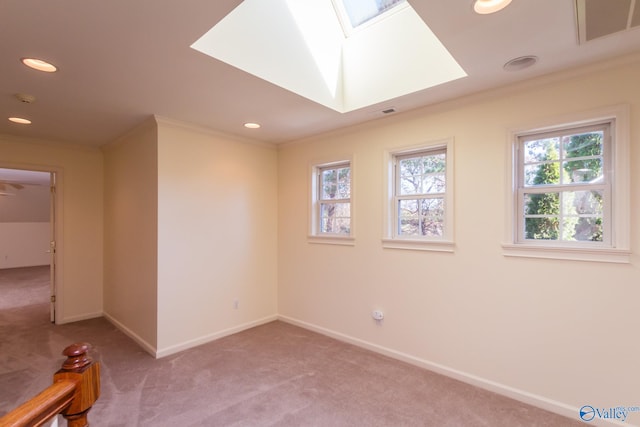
x=620 y=256
x=159 y=353
x=86 y=316
x=419 y=245
x=167 y=351
x=390 y=240
x=486 y=384
x=332 y=240
x=619 y=250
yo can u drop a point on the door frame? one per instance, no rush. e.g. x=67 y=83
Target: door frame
x=56 y=199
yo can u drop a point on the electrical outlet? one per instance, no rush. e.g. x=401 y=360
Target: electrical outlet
x=236 y=304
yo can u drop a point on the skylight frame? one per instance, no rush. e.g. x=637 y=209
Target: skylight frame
x=324 y=65
x=345 y=20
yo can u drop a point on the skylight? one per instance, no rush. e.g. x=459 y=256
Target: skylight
x=300 y=45
x=361 y=11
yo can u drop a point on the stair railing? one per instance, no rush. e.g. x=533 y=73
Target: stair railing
x=75 y=388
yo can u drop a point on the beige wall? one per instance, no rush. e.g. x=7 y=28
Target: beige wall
x=79 y=219
x=217 y=235
x=131 y=197
x=560 y=334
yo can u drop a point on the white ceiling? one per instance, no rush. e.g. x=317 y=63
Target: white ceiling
x=121 y=61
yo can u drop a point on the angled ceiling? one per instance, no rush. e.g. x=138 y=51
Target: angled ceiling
x=394 y=56
x=122 y=61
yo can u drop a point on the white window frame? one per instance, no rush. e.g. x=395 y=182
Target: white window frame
x=391 y=239
x=315 y=235
x=615 y=245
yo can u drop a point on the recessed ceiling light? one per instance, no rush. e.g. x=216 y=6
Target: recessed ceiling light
x=252 y=125
x=484 y=7
x=20 y=120
x=520 y=63
x=39 y=64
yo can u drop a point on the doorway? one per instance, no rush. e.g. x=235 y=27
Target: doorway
x=27 y=241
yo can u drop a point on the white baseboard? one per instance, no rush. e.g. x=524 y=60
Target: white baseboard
x=86 y=316
x=212 y=337
x=128 y=332
x=502 y=389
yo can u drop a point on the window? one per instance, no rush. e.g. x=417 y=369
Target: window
x=564 y=188
x=420 y=212
x=331 y=201
x=571 y=192
x=354 y=13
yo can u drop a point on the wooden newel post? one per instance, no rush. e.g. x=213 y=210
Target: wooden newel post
x=81 y=369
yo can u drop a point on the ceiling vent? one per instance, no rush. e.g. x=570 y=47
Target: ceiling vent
x=599 y=18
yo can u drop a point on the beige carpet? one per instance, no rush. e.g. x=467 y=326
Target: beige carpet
x=272 y=375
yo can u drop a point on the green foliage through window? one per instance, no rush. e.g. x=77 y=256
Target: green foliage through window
x=563 y=180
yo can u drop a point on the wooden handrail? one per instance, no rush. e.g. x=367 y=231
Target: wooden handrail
x=75 y=388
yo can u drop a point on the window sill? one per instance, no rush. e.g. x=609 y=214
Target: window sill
x=419 y=245
x=620 y=256
x=332 y=240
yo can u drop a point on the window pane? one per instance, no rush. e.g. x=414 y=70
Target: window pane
x=433 y=183
x=585 y=229
x=542 y=228
x=434 y=163
x=344 y=183
x=335 y=218
x=329 y=184
x=581 y=216
x=432 y=221
x=542 y=204
x=586 y=170
x=331 y=210
x=342 y=225
x=583 y=145
x=360 y=11
x=422 y=174
x=410 y=185
x=336 y=183
x=411 y=166
x=541 y=150
x=423 y=217
x=542 y=174
x=329 y=191
x=587 y=202
x=408 y=218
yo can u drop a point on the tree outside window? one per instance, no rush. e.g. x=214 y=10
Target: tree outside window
x=420 y=194
x=334 y=201
x=564 y=185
